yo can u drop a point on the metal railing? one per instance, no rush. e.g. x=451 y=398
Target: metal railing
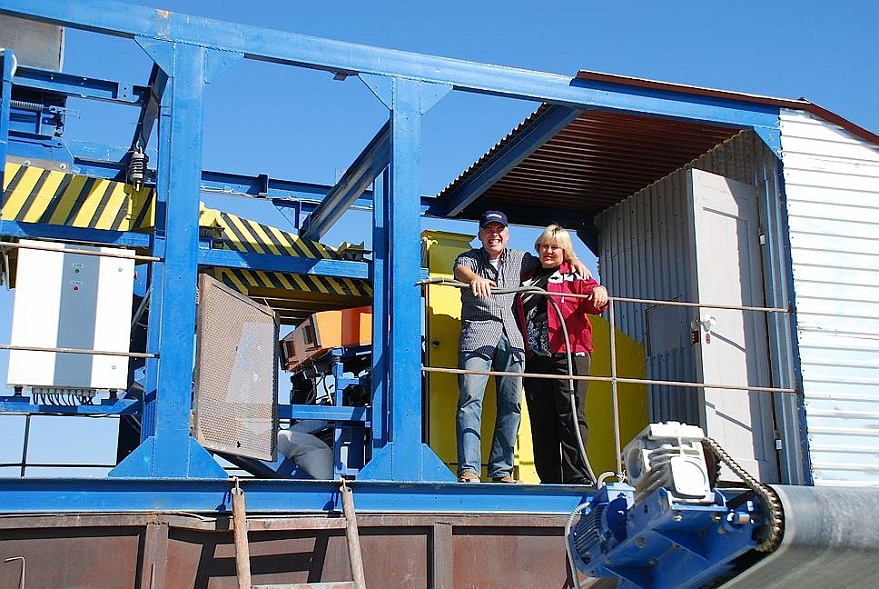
x=614 y=379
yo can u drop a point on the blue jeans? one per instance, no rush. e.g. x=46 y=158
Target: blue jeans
x=509 y=408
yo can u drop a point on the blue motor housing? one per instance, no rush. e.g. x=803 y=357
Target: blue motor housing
x=661 y=542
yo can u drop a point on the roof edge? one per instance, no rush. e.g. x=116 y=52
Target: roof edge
x=798 y=104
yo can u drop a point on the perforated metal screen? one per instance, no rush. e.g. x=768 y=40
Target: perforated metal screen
x=235 y=398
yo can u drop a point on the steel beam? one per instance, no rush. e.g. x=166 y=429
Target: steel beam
x=7 y=67
x=398 y=246
x=105 y=407
x=374 y=158
x=170 y=451
x=149 y=112
x=126 y=20
x=281 y=496
x=67 y=233
x=283 y=263
x=81 y=86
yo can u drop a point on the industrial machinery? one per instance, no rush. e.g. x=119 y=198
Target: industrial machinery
x=147 y=296
x=670 y=527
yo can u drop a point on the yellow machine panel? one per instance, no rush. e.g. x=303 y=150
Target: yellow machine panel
x=442 y=330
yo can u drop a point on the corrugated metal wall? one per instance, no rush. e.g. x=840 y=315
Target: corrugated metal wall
x=645 y=253
x=832 y=188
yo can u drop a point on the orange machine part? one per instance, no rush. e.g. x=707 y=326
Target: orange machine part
x=324 y=331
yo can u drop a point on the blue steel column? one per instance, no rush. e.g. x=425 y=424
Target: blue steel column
x=171 y=451
x=380 y=305
x=7 y=59
x=398 y=250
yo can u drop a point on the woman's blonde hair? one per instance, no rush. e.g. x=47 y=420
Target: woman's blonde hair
x=557 y=235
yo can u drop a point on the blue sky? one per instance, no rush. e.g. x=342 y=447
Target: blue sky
x=824 y=51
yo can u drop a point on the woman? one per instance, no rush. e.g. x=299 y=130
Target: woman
x=557 y=455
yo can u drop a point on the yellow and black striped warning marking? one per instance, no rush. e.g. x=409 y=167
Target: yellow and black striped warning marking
x=37 y=195
x=245 y=235
x=250 y=282
x=249 y=236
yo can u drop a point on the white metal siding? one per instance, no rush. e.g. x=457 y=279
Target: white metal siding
x=832 y=187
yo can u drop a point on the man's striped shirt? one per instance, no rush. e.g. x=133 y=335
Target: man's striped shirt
x=484 y=320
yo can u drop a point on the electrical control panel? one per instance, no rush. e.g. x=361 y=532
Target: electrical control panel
x=67 y=300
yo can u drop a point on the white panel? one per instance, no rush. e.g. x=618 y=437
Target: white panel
x=76 y=301
x=832 y=188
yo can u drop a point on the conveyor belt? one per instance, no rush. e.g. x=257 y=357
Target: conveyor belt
x=830 y=540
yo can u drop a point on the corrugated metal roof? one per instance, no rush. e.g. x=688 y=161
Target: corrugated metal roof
x=602 y=157
x=595 y=161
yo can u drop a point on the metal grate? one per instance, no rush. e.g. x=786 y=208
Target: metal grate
x=236 y=383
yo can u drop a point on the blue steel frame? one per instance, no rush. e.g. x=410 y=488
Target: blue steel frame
x=170 y=470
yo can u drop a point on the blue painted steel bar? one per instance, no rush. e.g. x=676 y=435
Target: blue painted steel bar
x=32 y=147
x=7 y=60
x=372 y=160
x=323 y=412
x=105 y=407
x=98 y=159
x=67 y=233
x=226 y=184
x=81 y=86
x=127 y=20
x=513 y=152
x=206 y=257
x=211 y=496
x=273 y=263
x=155 y=277
x=380 y=311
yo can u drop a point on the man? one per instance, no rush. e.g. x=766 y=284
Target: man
x=491 y=340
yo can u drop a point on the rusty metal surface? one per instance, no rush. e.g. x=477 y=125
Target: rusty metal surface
x=190 y=551
x=71 y=558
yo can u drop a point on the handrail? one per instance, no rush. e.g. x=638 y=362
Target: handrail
x=614 y=379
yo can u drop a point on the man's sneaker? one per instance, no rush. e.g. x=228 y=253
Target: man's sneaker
x=504 y=479
x=468 y=476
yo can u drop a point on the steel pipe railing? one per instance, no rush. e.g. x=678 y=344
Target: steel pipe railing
x=614 y=379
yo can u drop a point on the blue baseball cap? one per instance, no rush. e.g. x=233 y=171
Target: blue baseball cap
x=492 y=217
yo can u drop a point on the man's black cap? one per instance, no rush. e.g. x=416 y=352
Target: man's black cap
x=492 y=217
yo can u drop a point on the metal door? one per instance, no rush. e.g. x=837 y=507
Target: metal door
x=731 y=344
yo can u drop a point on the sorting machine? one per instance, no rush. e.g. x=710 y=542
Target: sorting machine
x=110 y=248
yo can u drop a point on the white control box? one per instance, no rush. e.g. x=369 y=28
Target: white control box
x=70 y=300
